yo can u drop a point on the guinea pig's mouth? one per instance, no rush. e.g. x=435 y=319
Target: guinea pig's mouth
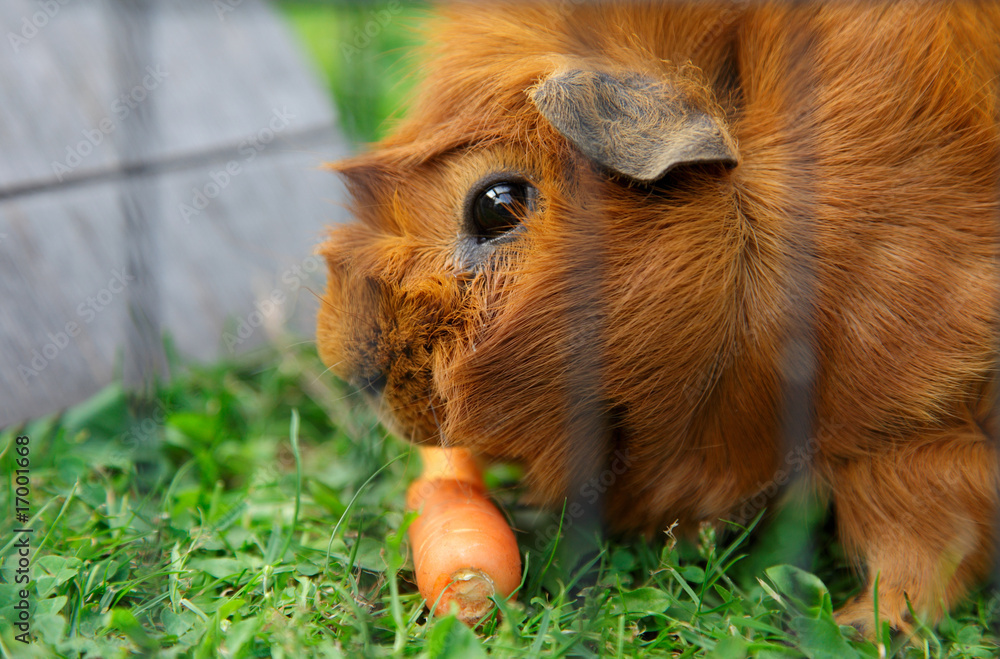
x=372 y=385
x=404 y=399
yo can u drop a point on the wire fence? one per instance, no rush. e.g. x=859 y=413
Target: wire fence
x=146 y=207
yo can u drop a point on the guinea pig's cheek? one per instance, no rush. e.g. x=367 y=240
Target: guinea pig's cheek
x=410 y=399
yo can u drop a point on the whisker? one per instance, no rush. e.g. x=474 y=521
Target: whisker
x=295 y=344
x=326 y=370
x=430 y=404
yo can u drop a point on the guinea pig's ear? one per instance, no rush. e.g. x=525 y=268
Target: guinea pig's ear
x=632 y=124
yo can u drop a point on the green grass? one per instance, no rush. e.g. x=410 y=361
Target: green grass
x=252 y=509
x=255 y=509
x=364 y=52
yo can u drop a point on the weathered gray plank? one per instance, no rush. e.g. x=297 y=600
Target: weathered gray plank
x=189 y=238
x=207 y=78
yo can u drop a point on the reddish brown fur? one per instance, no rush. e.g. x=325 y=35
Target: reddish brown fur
x=876 y=123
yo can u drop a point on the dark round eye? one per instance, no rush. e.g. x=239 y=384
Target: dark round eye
x=500 y=207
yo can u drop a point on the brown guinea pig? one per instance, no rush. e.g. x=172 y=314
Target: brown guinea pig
x=696 y=231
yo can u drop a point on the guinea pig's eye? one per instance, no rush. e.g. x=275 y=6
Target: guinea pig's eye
x=499 y=207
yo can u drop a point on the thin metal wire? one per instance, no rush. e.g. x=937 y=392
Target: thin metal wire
x=799 y=363
x=144 y=361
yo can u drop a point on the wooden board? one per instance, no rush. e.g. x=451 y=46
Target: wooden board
x=194 y=194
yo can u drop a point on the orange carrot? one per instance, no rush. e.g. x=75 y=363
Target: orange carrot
x=463 y=549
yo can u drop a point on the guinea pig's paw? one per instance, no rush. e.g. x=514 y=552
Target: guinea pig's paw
x=892 y=608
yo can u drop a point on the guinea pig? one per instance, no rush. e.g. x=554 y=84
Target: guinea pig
x=669 y=237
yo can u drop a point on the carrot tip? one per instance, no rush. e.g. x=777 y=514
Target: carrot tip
x=470 y=589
